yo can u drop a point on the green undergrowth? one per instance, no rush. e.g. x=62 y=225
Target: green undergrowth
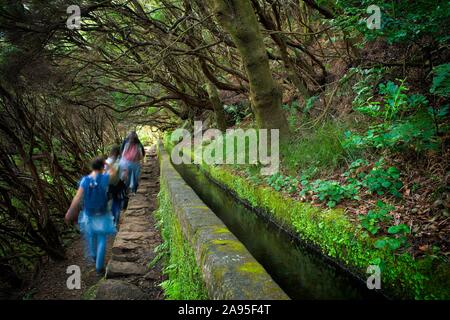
x=319 y=148
x=184 y=276
x=336 y=236
x=339 y=238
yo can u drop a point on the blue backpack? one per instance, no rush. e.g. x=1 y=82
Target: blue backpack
x=96 y=194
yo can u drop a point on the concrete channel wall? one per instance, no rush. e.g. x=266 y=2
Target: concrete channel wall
x=229 y=271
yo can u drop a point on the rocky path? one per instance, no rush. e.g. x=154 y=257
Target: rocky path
x=129 y=275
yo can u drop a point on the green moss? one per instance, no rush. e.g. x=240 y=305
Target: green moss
x=233 y=244
x=200 y=207
x=221 y=230
x=252 y=267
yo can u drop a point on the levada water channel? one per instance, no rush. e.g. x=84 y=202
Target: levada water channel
x=300 y=271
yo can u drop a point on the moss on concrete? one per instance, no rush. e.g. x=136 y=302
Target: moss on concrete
x=219 y=230
x=203 y=253
x=251 y=267
x=230 y=244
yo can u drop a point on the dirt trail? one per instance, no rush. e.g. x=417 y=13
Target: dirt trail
x=128 y=275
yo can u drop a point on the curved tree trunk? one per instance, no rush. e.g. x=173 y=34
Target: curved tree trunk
x=217 y=104
x=238 y=18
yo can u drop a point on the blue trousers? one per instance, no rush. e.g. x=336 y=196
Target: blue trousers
x=134 y=172
x=97 y=249
x=116 y=208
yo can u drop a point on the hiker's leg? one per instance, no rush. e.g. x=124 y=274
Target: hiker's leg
x=135 y=177
x=92 y=245
x=119 y=210
x=117 y=214
x=132 y=178
x=115 y=208
x=138 y=175
x=125 y=201
x=101 y=251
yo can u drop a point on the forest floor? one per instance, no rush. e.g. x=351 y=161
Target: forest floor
x=50 y=282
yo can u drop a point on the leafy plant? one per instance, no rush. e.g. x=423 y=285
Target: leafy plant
x=330 y=191
x=395 y=99
x=358 y=163
x=441 y=80
x=364 y=88
x=382 y=180
x=371 y=221
x=184 y=279
x=280 y=182
x=417 y=131
x=393 y=243
x=310 y=103
x=416 y=101
x=237 y=112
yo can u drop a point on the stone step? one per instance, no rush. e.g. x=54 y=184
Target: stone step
x=135 y=220
x=130 y=257
x=136 y=213
x=133 y=227
x=131 y=236
x=119 y=290
x=132 y=205
x=121 y=246
x=117 y=269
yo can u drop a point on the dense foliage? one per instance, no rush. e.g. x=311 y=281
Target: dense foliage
x=363 y=112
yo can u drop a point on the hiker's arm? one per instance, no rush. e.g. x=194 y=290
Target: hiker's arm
x=122 y=146
x=113 y=172
x=74 y=210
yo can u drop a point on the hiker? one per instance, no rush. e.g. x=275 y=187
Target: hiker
x=95 y=220
x=132 y=152
x=117 y=186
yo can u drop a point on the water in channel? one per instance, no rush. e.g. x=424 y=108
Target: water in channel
x=300 y=271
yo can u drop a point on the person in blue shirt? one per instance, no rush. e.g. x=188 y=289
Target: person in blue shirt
x=96 y=220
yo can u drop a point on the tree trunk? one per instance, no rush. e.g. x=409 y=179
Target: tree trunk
x=280 y=41
x=217 y=104
x=238 y=18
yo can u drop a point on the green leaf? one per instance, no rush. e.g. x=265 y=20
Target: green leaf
x=401 y=228
x=386 y=184
x=394 y=244
x=380 y=244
